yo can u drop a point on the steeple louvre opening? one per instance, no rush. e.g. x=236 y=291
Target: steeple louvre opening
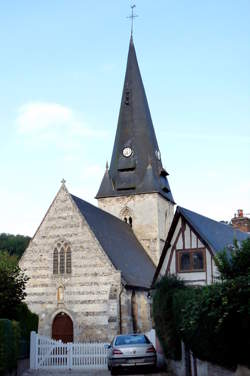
x=136 y=165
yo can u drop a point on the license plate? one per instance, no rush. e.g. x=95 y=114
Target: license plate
x=135 y=361
x=130 y=361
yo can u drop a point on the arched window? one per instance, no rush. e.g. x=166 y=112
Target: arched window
x=68 y=260
x=126 y=215
x=130 y=221
x=55 y=261
x=62 y=258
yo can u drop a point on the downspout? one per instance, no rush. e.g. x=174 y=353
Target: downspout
x=120 y=309
x=133 y=311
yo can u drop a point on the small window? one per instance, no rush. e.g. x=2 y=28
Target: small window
x=185 y=261
x=192 y=260
x=198 y=260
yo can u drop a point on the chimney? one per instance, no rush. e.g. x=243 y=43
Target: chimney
x=240 y=222
x=240 y=213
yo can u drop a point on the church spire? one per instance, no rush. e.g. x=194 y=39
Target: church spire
x=136 y=165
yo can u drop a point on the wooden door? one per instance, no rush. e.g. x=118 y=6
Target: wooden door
x=62 y=328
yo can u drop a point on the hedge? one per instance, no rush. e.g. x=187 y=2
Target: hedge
x=15 y=337
x=164 y=316
x=9 y=344
x=28 y=321
x=213 y=321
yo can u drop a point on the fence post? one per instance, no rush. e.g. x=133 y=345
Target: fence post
x=33 y=351
x=70 y=355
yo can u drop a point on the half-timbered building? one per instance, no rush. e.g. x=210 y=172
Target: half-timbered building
x=192 y=242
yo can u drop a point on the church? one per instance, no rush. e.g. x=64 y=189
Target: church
x=90 y=268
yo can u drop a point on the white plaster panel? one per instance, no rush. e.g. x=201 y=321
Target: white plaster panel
x=187 y=237
x=200 y=244
x=173 y=264
x=209 y=268
x=194 y=240
x=193 y=276
x=165 y=262
x=216 y=273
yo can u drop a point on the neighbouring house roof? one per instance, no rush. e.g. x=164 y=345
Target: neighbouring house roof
x=215 y=235
x=120 y=244
x=142 y=171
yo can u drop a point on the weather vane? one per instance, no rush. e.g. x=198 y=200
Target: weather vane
x=132 y=16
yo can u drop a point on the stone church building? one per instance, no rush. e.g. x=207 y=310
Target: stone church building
x=91 y=268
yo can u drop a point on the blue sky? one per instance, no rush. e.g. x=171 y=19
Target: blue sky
x=62 y=68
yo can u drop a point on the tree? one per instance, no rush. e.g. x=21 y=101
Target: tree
x=235 y=263
x=12 y=285
x=14 y=244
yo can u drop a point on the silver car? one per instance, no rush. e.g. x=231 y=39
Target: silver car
x=128 y=350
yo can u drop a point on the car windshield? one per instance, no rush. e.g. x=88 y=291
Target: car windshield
x=131 y=340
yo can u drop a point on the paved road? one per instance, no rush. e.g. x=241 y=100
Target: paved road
x=89 y=373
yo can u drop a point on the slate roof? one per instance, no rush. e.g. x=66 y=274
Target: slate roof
x=142 y=172
x=216 y=234
x=120 y=244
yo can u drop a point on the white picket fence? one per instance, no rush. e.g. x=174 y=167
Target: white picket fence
x=48 y=353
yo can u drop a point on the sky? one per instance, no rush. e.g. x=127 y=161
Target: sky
x=62 y=66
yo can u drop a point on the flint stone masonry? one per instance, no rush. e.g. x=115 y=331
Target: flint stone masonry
x=151 y=218
x=86 y=289
x=93 y=295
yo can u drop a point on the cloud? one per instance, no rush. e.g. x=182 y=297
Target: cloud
x=49 y=120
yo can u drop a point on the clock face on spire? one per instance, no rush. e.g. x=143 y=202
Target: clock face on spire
x=127 y=152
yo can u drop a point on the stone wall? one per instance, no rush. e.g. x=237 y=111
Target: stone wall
x=91 y=291
x=135 y=311
x=203 y=368
x=151 y=218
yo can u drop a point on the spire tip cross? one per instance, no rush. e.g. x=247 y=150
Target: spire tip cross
x=132 y=16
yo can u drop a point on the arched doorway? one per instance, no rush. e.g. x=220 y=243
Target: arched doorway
x=62 y=328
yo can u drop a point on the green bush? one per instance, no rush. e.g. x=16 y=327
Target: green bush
x=9 y=344
x=28 y=321
x=235 y=263
x=16 y=342
x=164 y=316
x=213 y=321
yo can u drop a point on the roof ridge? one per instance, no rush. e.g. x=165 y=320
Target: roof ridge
x=100 y=210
